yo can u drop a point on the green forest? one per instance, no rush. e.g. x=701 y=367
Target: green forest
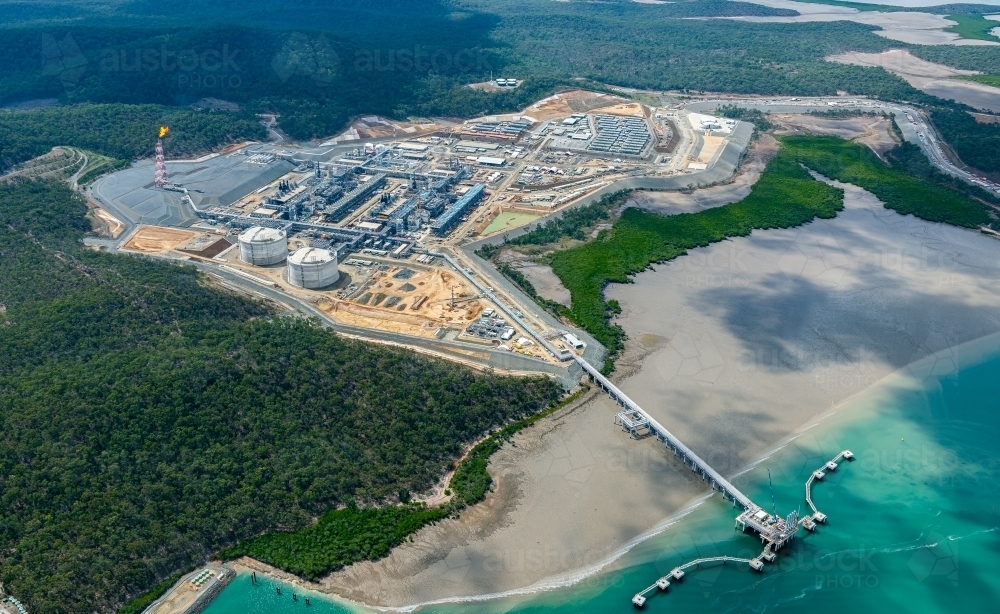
x=318 y=68
x=149 y=419
x=977 y=144
x=119 y=130
x=344 y=536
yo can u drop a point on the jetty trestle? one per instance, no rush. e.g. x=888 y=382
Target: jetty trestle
x=819 y=517
x=638 y=423
x=774 y=531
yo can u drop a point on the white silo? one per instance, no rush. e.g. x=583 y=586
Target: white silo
x=312 y=267
x=261 y=246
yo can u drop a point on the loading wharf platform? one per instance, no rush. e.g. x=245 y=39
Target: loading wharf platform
x=773 y=530
x=768 y=555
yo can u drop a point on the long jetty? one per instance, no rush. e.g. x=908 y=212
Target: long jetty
x=678 y=573
x=769 y=554
x=638 y=423
x=774 y=531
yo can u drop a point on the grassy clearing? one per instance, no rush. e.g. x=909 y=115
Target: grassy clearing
x=993 y=80
x=974 y=27
x=352 y=534
x=785 y=196
x=97 y=165
x=508 y=220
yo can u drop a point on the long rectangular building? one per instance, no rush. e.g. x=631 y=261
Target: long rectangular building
x=449 y=218
x=354 y=198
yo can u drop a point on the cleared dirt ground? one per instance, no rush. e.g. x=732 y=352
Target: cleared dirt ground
x=417 y=305
x=114 y=226
x=156 y=239
x=761 y=152
x=632 y=109
x=986 y=119
x=567 y=103
x=710 y=147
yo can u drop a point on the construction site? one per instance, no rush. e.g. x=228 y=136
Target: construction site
x=367 y=228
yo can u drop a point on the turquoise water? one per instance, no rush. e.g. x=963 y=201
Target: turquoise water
x=244 y=596
x=913 y=522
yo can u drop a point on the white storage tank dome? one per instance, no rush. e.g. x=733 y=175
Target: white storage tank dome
x=312 y=267
x=263 y=246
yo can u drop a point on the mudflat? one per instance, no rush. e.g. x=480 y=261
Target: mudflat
x=904 y=26
x=733 y=347
x=764 y=333
x=934 y=79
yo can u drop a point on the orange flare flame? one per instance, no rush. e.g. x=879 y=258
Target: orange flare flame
x=163 y=131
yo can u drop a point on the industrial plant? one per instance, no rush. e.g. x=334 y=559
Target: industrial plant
x=361 y=228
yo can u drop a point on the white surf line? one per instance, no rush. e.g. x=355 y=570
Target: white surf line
x=574 y=577
x=565 y=580
x=561 y=580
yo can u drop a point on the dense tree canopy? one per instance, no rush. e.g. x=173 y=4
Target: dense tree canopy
x=318 y=68
x=119 y=130
x=148 y=420
x=976 y=144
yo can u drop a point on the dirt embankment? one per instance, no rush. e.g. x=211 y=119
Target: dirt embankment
x=875 y=132
x=156 y=239
x=691 y=201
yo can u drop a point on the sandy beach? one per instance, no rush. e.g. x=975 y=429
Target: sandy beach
x=733 y=347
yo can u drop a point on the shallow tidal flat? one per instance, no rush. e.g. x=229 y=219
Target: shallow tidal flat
x=746 y=341
x=904 y=26
x=759 y=335
x=934 y=79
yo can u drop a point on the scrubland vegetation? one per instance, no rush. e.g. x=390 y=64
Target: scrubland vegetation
x=148 y=419
x=119 y=131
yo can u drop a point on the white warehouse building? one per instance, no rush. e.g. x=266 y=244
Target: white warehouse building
x=263 y=246
x=312 y=268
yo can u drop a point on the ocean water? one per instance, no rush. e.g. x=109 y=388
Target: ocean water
x=244 y=596
x=913 y=521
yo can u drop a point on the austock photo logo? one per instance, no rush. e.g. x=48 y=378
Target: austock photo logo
x=63 y=59
x=211 y=68
x=303 y=56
